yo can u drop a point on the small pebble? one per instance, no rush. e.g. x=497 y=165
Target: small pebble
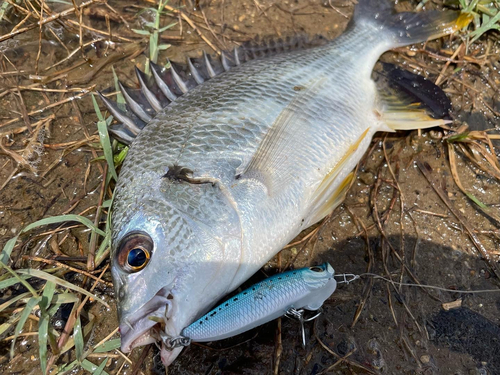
x=436 y=134
x=425 y=359
x=367 y=178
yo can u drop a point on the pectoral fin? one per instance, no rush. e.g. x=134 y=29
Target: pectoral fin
x=272 y=163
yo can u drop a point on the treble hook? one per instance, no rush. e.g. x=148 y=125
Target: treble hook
x=299 y=315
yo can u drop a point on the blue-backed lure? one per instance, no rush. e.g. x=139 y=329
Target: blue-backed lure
x=305 y=288
x=284 y=294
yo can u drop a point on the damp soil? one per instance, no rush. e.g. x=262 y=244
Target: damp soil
x=393 y=221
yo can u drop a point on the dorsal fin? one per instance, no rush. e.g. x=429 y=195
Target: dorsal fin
x=167 y=84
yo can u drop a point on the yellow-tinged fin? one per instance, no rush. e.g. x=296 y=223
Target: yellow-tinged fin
x=329 y=194
x=409 y=119
x=334 y=201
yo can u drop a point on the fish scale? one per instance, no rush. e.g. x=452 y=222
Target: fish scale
x=231 y=171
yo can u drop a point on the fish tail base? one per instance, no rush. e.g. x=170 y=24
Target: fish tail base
x=409 y=27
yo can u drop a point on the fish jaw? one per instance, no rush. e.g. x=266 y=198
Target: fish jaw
x=168 y=356
x=169 y=311
x=139 y=328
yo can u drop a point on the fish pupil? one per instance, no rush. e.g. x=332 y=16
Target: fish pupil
x=137 y=257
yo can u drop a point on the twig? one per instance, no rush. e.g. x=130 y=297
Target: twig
x=59 y=264
x=191 y=23
x=39 y=38
x=38 y=111
x=47 y=20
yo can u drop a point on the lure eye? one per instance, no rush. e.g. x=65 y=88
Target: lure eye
x=134 y=252
x=316 y=269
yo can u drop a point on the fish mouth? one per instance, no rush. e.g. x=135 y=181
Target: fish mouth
x=143 y=327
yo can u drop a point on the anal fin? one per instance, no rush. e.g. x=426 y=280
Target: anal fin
x=407 y=101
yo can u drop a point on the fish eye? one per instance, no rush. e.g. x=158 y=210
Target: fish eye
x=134 y=252
x=137 y=257
x=316 y=269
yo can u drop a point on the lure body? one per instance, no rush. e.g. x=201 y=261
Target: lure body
x=305 y=288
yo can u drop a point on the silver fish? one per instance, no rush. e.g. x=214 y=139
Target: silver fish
x=235 y=167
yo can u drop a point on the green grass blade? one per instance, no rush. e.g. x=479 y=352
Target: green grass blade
x=7 y=250
x=64 y=298
x=4 y=327
x=22 y=320
x=11 y=281
x=97 y=109
x=120 y=100
x=43 y=323
x=48 y=293
x=106 y=146
x=106 y=203
x=19 y=279
x=3 y=9
x=100 y=369
x=66 y=368
x=9 y=246
x=62 y=219
x=43 y=334
x=108 y=346
x=78 y=337
x=121 y=156
x=141 y=32
x=13 y=300
x=167 y=27
x=90 y=367
x=105 y=244
x=46 y=276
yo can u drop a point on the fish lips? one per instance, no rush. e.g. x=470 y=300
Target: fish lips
x=135 y=329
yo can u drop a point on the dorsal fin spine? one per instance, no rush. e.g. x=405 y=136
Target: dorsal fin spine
x=178 y=80
x=194 y=72
x=210 y=69
x=150 y=97
x=128 y=122
x=162 y=84
x=133 y=105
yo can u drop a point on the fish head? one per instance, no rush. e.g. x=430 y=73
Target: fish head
x=173 y=255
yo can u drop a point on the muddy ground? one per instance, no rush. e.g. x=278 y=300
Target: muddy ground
x=396 y=221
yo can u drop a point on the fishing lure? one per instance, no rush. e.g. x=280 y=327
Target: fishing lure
x=288 y=293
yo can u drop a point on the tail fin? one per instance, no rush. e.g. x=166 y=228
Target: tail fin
x=408 y=27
